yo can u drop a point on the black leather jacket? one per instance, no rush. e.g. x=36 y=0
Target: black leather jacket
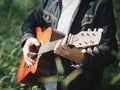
x=91 y=14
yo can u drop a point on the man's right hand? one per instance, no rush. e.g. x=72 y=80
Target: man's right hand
x=28 y=54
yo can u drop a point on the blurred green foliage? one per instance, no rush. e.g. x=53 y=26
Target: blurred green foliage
x=12 y=15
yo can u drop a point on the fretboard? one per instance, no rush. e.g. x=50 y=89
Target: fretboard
x=47 y=47
x=81 y=40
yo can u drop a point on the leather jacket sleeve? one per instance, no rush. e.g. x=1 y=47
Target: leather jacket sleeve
x=35 y=19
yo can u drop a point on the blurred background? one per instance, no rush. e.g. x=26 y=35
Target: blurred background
x=12 y=15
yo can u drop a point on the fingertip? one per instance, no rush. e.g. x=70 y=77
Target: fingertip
x=65 y=40
x=37 y=44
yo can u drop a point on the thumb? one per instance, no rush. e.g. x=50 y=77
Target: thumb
x=36 y=42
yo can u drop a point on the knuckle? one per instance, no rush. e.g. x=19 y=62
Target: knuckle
x=55 y=51
x=67 y=53
x=64 y=45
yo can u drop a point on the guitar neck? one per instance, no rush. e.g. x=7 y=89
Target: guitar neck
x=51 y=45
x=80 y=40
x=47 y=47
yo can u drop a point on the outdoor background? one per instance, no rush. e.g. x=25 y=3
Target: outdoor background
x=12 y=15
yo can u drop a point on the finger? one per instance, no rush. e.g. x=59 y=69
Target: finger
x=57 y=45
x=36 y=42
x=64 y=40
x=60 y=51
x=25 y=49
x=31 y=54
x=64 y=44
x=29 y=61
x=28 y=58
x=32 y=41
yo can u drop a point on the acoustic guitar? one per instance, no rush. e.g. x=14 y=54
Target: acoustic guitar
x=44 y=61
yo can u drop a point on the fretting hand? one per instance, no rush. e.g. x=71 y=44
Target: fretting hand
x=74 y=54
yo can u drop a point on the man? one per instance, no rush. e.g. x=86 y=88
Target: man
x=73 y=16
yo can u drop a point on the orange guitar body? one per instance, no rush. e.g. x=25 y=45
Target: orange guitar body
x=43 y=62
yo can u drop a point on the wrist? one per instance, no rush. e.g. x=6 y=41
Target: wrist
x=80 y=59
x=76 y=65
